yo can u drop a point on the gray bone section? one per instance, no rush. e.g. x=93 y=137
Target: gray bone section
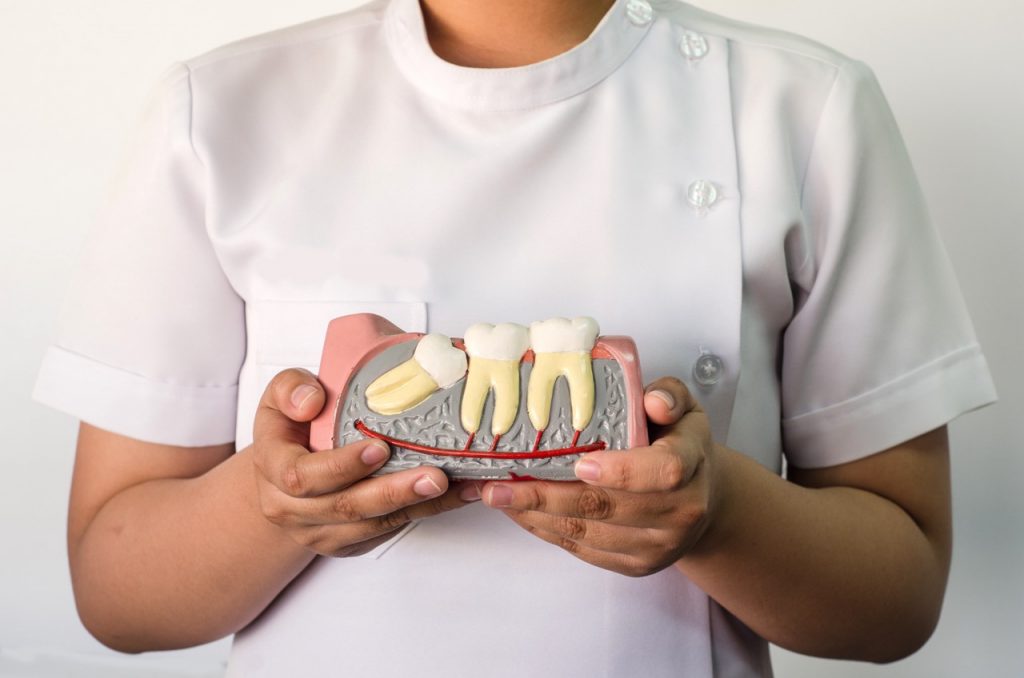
x=436 y=422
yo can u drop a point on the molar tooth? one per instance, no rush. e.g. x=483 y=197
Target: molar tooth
x=495 y=352
x=436 y=364
x=562 y=349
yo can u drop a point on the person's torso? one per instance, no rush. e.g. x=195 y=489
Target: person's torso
x=337 y=186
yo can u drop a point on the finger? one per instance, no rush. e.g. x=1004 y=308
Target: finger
x=667 y=465
x=297 y=472
x=469 y=490
x=578 y=500
x=666 y=400
x=294 y=396
x=627 y=564
x=563 y=499
x=370 y=498
x=595 y=534
x=356 y=538
x=456 y=497
x=289 y=402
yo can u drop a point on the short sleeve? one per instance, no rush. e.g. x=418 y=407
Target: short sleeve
x=152 y=335
x=881 y=348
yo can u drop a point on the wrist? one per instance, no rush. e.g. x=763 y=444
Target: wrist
x=724 y=492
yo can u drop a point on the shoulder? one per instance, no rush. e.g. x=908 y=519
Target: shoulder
x=784 y=71
x=293 y=41
x=783 y=83
x=282 y=80
x=752 y=37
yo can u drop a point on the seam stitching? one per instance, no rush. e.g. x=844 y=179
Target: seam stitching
x=742 y=25
x=191 y=114
x=120 y=370
x=952 y=357
x=809 y=255
x=212 y=59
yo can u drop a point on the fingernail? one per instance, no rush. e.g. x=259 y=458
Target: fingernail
x=426 y=487
x=302 y=394
x=588 y=470
x=470 y=493
x=374 y=453
x=665 y=397
x=500 y=496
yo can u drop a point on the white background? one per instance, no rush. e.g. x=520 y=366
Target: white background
x=74 y=75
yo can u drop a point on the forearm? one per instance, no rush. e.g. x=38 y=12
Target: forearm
x=178 y=562
x=835 y=572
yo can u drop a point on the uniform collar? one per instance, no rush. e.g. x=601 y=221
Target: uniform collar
x=560 y=77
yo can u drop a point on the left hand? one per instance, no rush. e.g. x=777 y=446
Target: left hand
x=636 y=511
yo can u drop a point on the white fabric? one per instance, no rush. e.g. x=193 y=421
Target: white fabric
x=341 y=166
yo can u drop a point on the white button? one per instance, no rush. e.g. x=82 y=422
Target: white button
x=694 y=46
x=639 y=12
x=707 y=371
x=702 y=194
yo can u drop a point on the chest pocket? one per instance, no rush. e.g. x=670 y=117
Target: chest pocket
x=291 y=333
x=284 y=334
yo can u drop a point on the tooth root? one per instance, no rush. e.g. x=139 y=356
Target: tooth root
x=393 y=378
x=506 y=396
x=580 y=375
x=577 y=368
x=474 y=395
x=540 y=389
x=485 y=375
x=396 y=393
x=562 y=348
x=495 y=352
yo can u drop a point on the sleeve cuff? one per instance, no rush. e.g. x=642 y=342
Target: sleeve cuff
x=136 y=406
x=912 y=405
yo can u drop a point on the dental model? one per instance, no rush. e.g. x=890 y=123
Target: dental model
x=435 y=365
x=562 y=348
x=366 y=362
x=495 y=352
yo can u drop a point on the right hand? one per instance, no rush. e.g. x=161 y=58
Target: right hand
x=325 y=501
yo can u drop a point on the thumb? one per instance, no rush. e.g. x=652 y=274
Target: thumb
x=667 y=401
x=293 y=398
x=301 y=395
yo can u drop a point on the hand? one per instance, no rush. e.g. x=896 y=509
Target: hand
x=324 y=500
x=636 y=511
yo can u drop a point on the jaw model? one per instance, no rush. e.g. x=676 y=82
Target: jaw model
x=494 y=356
x=562 y=348
x=404 y=389
x=435 y=365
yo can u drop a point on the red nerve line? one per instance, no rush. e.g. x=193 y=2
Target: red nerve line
x=537 y=454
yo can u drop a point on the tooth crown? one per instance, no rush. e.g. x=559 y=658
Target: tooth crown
x=560 y=335
x=507 y=341
x=442 y=361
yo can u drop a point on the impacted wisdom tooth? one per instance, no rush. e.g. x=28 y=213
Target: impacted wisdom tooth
x=494 y=356
x=436 y=364
x=562 y=349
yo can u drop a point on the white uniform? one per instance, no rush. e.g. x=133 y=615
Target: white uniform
x=738 y=200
